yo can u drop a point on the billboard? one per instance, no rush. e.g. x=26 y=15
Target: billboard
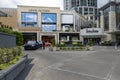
x=67 y=19
x=48 y=18
x=48 y=28
x=29 y=17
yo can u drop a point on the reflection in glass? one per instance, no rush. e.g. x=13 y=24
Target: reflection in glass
x=29 y=19
x=48 y=18
x=48 y=28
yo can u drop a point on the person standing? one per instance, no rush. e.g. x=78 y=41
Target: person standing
x=43 y=45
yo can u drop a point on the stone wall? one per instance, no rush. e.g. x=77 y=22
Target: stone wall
x=7 y=41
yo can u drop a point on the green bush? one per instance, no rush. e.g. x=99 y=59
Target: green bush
x=9 y=56
x=19 y=38
x=60 y=45
x=8 y=30
x=90 y=43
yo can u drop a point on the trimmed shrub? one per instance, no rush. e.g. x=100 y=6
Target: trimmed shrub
x=8 y=55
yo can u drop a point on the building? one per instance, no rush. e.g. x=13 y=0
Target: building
x=110 y=21
x=95 y=34
x=2 y=14
x=9 y=17
x=87 y=8
x=45 y=23
x=38 y=23
x=71 y=23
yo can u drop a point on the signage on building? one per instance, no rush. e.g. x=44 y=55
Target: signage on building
x=91 y=32
x=39 y=10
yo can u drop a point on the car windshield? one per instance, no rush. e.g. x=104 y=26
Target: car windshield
x=31 y=42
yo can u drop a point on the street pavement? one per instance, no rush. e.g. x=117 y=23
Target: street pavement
x=101 y=64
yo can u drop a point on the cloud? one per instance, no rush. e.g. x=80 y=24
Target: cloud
x=9 y=3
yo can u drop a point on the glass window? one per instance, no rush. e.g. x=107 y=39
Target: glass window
x=91 y=9
x=48 y=18
x=118 y=17
x=49 y=22
x=106 y=18
x=48 y=28
x=29 y=19
x=85 y=9
x=80 y=10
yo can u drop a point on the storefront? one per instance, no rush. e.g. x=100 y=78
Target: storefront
x=29 y=36
x=69 y=38
x=96 y=34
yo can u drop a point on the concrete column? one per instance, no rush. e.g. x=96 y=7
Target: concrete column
x=38 y=36
x=58 y=37
x=102 y=20
x=112 y=21
x=39 y=20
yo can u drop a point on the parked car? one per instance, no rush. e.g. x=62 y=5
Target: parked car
x=31 y=45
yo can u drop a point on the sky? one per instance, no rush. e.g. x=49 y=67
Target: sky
x=50 y=3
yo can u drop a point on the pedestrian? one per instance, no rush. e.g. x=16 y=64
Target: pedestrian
x=43 y=45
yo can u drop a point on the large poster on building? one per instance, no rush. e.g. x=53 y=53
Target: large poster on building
x=48 y=22
x=48 y=18
x=29 y=17
x=67 y=19
x=48 y=28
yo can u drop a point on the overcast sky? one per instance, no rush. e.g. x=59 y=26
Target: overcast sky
x=52 y=3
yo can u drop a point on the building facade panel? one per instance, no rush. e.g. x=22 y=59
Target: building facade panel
x=110 y=20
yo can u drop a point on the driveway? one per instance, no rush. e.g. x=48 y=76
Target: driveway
x=101 y=64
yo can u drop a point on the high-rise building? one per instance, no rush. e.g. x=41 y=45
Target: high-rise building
x=110 y=20
x=87 y=8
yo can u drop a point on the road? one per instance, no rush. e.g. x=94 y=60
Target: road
x=101 y=64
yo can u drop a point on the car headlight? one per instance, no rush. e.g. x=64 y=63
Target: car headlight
x=33 y=45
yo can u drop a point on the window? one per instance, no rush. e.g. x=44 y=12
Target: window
x=80 y=10
x=118 y=16
x=29 y=19
x=106 y=18
x=48 y=22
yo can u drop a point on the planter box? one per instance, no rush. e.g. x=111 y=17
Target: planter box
x=11 y=72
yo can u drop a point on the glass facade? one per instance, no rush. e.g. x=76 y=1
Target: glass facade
x=106 y=18
x=118 y=16
x=83 y=7
x=48 y=22
x=48 y=28
x=29 y=19
x=76 y=3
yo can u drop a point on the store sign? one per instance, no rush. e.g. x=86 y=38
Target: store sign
x=91 y=31
x=39 y=10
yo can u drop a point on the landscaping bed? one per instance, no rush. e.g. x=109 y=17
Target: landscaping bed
x=12 y=62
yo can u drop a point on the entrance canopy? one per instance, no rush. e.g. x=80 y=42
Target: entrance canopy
x=91 y=32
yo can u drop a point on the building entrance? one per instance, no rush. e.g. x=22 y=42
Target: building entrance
x=48 y=38
x=95 y=41
x=118 y=39
x=29 y=36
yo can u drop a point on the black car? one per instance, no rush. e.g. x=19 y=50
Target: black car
x=31 y=45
